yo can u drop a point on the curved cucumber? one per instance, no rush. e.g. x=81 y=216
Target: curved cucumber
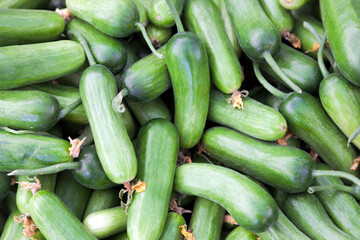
x=278 y=15
x=240 y=233
x=12 y=228
x=203 y=18
x=4 y=185
x=53 y=218
x=24 y=4
x=113 y=145
x=172 y=227
x=158 y=35
x=20 y=26
x=255 y=211
x=157 y=148
x=102 y=199
x=22 y=65
x=255 y=119
x=160 y=14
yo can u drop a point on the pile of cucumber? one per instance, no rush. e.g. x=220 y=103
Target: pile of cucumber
x=179 y=119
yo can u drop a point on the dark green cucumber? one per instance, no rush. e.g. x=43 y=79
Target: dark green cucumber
x=146 y=79
x=102 y=199
x=255 y=119
x=267 y=98
x=255 y=211
x=342 y=208
x=30 y=151
x=278 y=15
x=158 y=35
x=4 y=185
x=160 y=14
x=115 y=18
x=3 y=218
x=8 y=205
x=54 y=219
x=206 y=219
x=306 y=212
x=341 y=101
x=341 y=21
x=56 y=131
x=188 y=66
x=157 y=148
x=72 y=79
x=68 y=189
x=293 y=4
x=203 y=18
x=20 y=26
x=146 y=111
x=24 y=4
x=107 y=222
x=106 y=50
x=22 y=65
x=172 y=228
x=130 y=60
x=282 y=167
x=113 y=145
x=240 y=233
x=12 y=228
x=301 y=69
x=129 y=122
x=279 y=196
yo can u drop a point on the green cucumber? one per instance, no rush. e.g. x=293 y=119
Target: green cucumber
x=203 y=18
x=279 y=196
x=293 y=4
x=157 y=148
x=113 y=145
x=24 y=4
x=72 y=79
x=307 y=213
x=240 y=233
x=206 y=219
x=255 y=119
x=160 y=14
x=68 y=189
x=255 y=211
x=107 y=222
x=278 y=15
x=267 y=98
x=20 y=26
x=56 y=131
x=8 y=205
x=143 y=19
x=146 y=111
x=22 y=65
x=102 y=199
x=54 y=220
x=12 y=228
x=106 y=50
x=172 y=228
x=129 y=122
x=4 y=185
x=130 y=60
x=158 y=35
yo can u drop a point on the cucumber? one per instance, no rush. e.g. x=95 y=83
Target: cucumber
x=102 y=199
x=255 y=211
x=293 y=4
x=160 y=14
x=12 y=228
x=157 y=148
x=56 y=131
x=307 y=213
x=130 y=60
x=129 y=122
x=113 y=145
x=115 y=18
x=158 y=35
x=20 y=26
x=24 y=4
x=278 y=15
x=72 y=79
x=22 y=65
x=255 y=119
x=54 y=220
x=3 y=218
x=29 y=151
x=267 y=98
x=240 y=233
x=68 y=189
x=279 y=196
x=172 y=227
x=146 y=111
x=206 y=219
x=4 y=185
x=203 y=18
x=188 y=66
x=8 y=205
x=106 y=50
x=107 y=222
x=143 y=14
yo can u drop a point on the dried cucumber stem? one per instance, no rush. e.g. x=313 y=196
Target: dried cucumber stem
x=117 y=101
x=229 y=219
x=75 y=146
x=315 y=48
x=34 y=187
x=129 y=188
x=236 y=99
x=188 y=235
x=314 y=155
x=183 y=159
x=283 y=141
x=64 y=13
x=173 y=206
x=29 y=226
x=292 y=38
x=355 y=165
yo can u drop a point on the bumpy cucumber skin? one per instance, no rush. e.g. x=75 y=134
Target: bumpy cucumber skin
x=30 y=4
x=308 y=120
x=278 y=15
x=255 y=211
x=115 y=18
x=203 y=18
x=28 y=110
x=242 y=234
x=341 y=100
x=254 y=30
x=22 y=65
x=172 y=228
x=30 y=151
x=106 y=50
x=53 y=218
x=4 y=185
x=255 y=119
x=160 y=14
x=157 y=148
x=20 y=26
x=11 y=228
x=190 y=76
x=282 y=167
x=102 y=199
x=113 y=145
x=341 y=21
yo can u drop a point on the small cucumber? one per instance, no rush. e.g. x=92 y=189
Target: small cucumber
x=143 y=14
x=255 y=119
x=22 y=65
x=12 y=228
x=255 y=211
x=293 y=4
x=158 y=35
x=107 y=222
x=54 y=219
x=172 y=228
x=102 y=199
x=72 y=79
x=279 y=196
x=4 y=185
x=206 y=219
x=240 y=233
x=157 y=148
x=160 y=14
x=20 y=26
x=278 y=15
x=24 y=4
x=267 y=98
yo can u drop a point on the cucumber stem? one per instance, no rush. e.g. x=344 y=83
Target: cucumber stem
x=148 y=41
x=320 y=58
x=117 y=102
x=333 y=173
x=68 y=109
x=353 y=136
x=18 y=132
x=175 y=14
x=274 y=91
x=46 y=170
x=331 y=187
x=84 y=44
x=270 y=60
